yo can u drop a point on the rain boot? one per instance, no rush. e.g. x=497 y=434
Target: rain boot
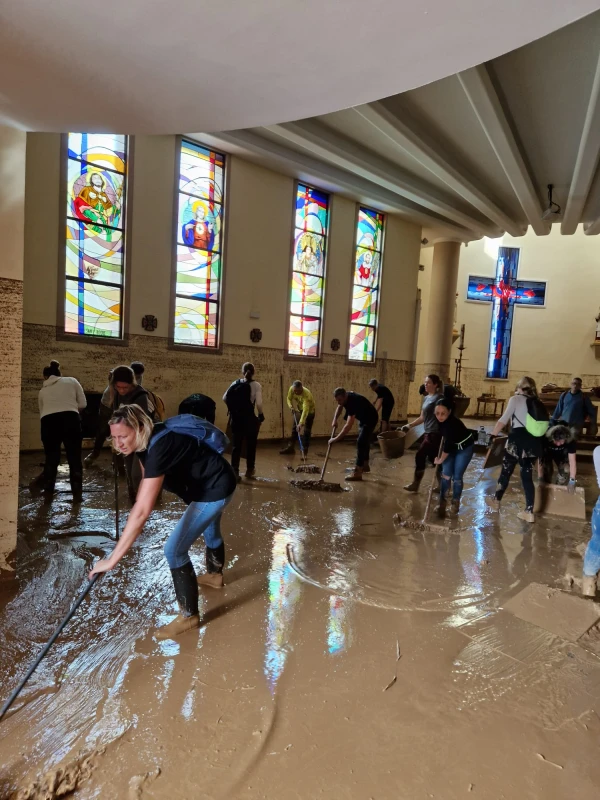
x=89 y=459
x=455 y=507
x=527 y=515
x=414 y=486
x=186 y=592
x=290 y=450
x=77 y=489
x=366 y=467
x=215 y=561
x=355 y=475
x=440 y=509
x=588 y=586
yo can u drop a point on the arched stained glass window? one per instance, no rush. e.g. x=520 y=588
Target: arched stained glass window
x=311 y=224
x=365 y=290
x=95 y=233
x=199 y=246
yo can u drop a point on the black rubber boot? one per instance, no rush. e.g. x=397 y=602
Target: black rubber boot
x=77 y=489
x=414 y=486
x=186 y=589
x=215 y=561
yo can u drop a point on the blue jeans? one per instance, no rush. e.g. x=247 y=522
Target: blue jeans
x=591 y=560
x=453 y=469
x=198 y=519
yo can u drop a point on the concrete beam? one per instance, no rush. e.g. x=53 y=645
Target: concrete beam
x=300 y=164
x=329 y=145
x=586 y=164
x=478 y=87
x=407 y=138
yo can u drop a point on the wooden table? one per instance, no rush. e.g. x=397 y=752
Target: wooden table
x=495 y=401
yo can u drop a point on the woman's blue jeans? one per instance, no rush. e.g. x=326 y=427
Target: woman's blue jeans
x=453 y=469
x=198 y=519
x=591 y=560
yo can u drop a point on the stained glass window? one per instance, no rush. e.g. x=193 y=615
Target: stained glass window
x=95 y=233
x=365 y=289
x=308 y=271
x=198 y=246
x=504 y=292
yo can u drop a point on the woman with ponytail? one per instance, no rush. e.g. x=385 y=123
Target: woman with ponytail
x=60 y=401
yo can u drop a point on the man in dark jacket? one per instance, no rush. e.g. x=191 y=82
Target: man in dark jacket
x=573 y=408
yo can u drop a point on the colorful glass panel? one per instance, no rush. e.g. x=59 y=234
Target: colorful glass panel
x=199 y=243
x=308 y=271
x=95 y=233
x=365 y=290
x=504 y=292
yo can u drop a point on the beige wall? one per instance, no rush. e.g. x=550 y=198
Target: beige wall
x=256 y=268
x=12 y=222
x=550 y=344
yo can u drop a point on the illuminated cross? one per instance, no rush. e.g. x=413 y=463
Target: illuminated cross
x=504 y=293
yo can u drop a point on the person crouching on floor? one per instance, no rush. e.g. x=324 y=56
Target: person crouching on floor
x=201 y=478
x=458 y=449
x=560 y=448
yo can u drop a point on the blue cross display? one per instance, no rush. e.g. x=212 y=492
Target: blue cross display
x=504 y=292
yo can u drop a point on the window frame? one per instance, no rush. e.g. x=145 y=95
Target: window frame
x=354 y=361
x=172 y=344
x=293 y=356
x=61 y=333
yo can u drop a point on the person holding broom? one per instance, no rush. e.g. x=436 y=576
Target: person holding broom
x=356 y=407
x=201 y=477
x=456 y=455
x=430 y=446
x=302 y=404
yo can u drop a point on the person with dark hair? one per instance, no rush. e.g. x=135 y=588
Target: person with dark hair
x=430 y=446
x=384 y=404
x=356 y=407
x=138 y=370
x=202 y=478
x=104 y=414
x=560 y=448
x=456 y=456
x=126 y=391
x=200 y=405
x=522 y=447
x=242 y=397
x=302 y=405
x=573 y=407
x=60 y=401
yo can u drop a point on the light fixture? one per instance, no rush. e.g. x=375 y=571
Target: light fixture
x=553 y=210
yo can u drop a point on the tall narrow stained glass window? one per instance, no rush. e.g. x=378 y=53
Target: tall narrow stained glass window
x=199 y=246
x=95 y=234
x=365 y=289
x=311 y=225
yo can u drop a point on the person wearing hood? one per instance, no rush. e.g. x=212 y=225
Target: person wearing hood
x=126 y=392
x=560 y=448
x=60 y=401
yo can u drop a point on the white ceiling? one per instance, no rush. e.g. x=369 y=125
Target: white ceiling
x=156 y=66
x=467 y=155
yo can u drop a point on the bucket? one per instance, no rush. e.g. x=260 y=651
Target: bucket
x=391 y=443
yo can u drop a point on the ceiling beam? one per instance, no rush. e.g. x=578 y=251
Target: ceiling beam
x=407 y=138
x=586 y=163
x=351 y=156
x=301 y=165
x=480 y=91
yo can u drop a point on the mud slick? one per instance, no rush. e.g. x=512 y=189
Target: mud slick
x=346 y=656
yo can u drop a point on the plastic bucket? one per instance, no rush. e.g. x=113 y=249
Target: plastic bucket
x=391 y=443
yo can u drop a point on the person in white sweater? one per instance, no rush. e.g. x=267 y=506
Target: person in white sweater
x=60 y=401
x=521 y=448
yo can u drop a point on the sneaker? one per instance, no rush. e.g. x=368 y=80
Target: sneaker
x=526 y=516
x=492 y=503
x=588 y=586
x=250 y=473
x=290 y=450
x=213 y=580
x=355 y=475
x=179 y=625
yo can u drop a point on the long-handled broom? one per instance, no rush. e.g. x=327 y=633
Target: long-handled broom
x=320 y=485
x=424 y=524
x=311 y=469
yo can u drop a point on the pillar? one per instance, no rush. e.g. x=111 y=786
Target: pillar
x=442 y=304
x=12 y=225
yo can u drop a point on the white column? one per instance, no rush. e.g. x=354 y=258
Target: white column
x=12 y=226
x=442 y=303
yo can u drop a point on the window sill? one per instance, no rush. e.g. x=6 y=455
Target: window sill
x=61 y=336
x=196 y=348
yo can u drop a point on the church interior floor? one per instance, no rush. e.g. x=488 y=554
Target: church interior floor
x=345 y=658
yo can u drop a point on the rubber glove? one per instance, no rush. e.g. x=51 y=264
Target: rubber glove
x=571 y=486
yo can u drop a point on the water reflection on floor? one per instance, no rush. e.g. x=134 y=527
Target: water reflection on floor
x=296 y=659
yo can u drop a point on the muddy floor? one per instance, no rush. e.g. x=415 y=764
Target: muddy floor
x=346 y=658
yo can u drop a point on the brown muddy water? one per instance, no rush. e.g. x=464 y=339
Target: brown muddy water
x=345 y=658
